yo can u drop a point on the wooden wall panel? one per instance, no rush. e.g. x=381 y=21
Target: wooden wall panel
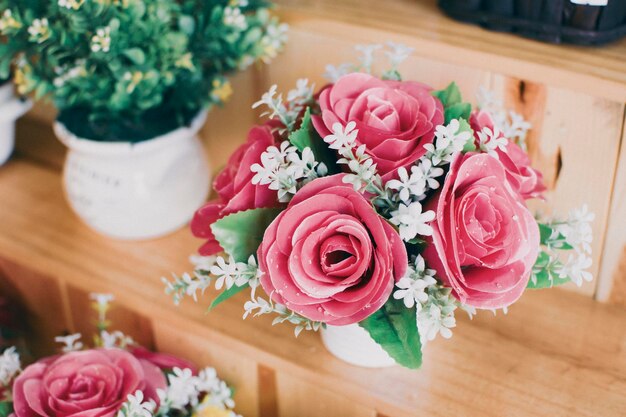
x=302 y=399
x=575 y=142
x=43 y=300
x=612 y=286
x=239 y=372
x=129 y=322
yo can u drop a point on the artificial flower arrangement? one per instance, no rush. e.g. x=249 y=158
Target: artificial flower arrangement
x=114 y=378
x=384 y=203
x=131 y=70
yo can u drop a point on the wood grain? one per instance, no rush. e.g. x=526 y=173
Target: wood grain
x=613 y=284
x=595 y=71
x=556 y=353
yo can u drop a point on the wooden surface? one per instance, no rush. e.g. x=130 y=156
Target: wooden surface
x=596 y=71
x=556 y=353
x=614 y=258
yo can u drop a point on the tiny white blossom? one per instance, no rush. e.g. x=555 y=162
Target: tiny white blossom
x=182 y=390
x=9 y=366
x=273 y=40
x=409 y=186
x=491 y=140
x=233 y=17
x=412 y=287
x=398 y=53
x=362 y=173
x=367 y=55
x=334 y=73
x=115 y=339
x=71 y=4
x=576 y=269
x=203 y=263
x=437 y=315
x=71 y=342
x=102 y=299
x=470 y=310
x=101 y=41
x=577 y=229
x=448 y=141
x=135 y=406
x=226 y=273
x=39 y=30
x=342 y=137
x=412 y=221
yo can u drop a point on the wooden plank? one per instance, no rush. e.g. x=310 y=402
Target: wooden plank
x=304 y=399
x=575 y=141
x=612 y=285
x=42 y=298
x=529 y=363
x=129 y=322
x=595 y=71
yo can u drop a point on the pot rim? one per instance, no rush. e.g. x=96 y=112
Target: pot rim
x=90 y=146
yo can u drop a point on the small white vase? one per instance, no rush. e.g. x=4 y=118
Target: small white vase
x=354 y=345
x=136 y=191
x=11 y=108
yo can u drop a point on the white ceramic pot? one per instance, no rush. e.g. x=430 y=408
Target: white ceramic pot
x=11 y=108
x=354 y=345
x=139 y=190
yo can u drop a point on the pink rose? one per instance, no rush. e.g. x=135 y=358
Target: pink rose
x=92 y=383
x=485 y=241
x=163 y=361
x=522 y=176
x=395 y=119
x=329 y=256
x=235 y=189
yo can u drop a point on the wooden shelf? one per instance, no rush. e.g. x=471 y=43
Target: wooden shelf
x=556 y=353
x=597 y=71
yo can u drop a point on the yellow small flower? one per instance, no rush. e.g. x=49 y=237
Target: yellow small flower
x=222 y=90
x=212 y=411
x=39 y=30
x=20 y=77
x=185 y=62
x=8 y=22
x=135 y=78
x=71 y=4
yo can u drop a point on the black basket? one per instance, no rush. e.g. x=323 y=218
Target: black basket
x=557 y=21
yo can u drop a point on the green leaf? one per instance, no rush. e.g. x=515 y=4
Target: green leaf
x=458 y=111
x=545 y=232
x=453 y=105
x=225 y=295
x=394 y=327
x=470 y=145
x=6 y=408
x=307 y=137
x=450 y=96
x=136 y=56
x=544 y=281
x=240 y=234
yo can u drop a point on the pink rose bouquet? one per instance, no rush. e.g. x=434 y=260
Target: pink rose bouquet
x=116 y=378
x=382 y=203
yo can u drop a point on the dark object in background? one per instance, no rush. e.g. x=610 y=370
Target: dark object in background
x=11 y=327
x=557 y=21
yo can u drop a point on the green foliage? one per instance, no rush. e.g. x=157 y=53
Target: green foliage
x=6 y=408
x=241 y=233
x=453 y=105
x=307 y=137
x=225 y=295
x=131 y=69
x=464 y=126
x=544 y=274
x=394 y=327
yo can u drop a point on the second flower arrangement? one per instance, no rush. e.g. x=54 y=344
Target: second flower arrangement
x=380 y=206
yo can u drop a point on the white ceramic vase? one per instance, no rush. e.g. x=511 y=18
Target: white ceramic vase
x=354 y=345
x=136 y=191
x=11 y=108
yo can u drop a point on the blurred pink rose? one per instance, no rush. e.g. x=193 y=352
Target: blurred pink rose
x=162 y=360
x=91 y=383
x=235 y=189
x=485 y=241
x=329 y=256
x=522 y=176
x=395 y=119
